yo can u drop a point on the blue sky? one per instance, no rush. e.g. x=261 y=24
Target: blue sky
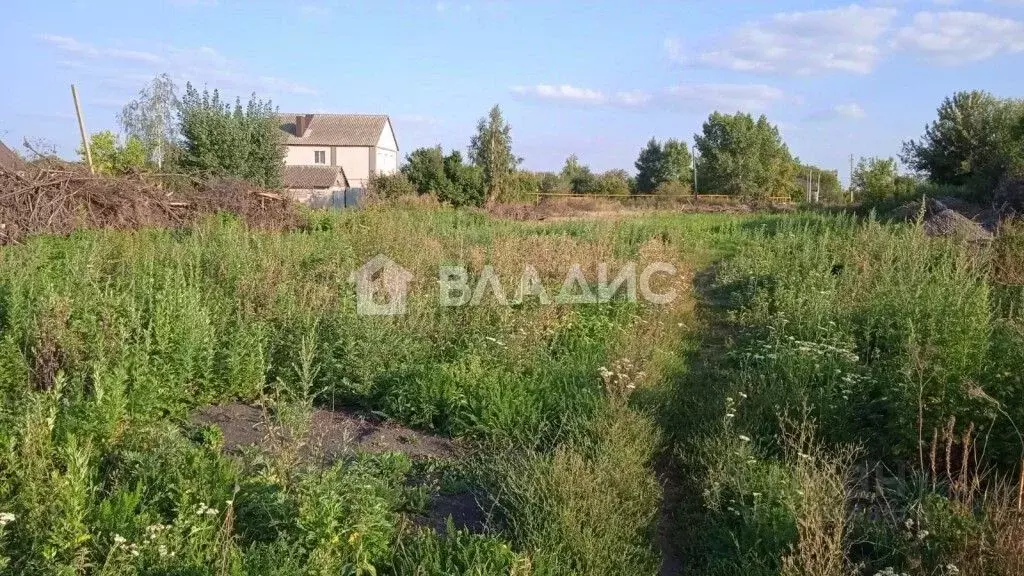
x=595 y=78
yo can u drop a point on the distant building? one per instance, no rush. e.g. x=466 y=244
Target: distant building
x=350 y=146
x=314 y=184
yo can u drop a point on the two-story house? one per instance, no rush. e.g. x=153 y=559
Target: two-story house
x=334 y=151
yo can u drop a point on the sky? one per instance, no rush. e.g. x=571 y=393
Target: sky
x=593 y=78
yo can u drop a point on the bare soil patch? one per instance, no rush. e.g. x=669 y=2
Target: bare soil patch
x=333 y=434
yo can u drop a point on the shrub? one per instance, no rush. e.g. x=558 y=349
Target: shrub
x=388 y=186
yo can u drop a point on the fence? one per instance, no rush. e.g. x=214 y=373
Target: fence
x=347 y=198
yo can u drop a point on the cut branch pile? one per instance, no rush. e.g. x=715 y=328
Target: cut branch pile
x=48 y=200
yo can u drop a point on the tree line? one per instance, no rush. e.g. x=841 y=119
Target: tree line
x=975 y=147
x=198 y=133
x=736 y=154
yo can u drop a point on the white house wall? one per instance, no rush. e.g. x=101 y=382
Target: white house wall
x=303 y=155
x=387 y=138
x=356 y=162
x=386 y=161
x=386 y=156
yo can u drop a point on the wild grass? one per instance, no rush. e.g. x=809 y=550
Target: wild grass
x=844 y=399
x=109 y=340
x=891 y=344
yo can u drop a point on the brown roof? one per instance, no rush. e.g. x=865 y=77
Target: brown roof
x=311 y=177
x=336 y=129
x=9 y=160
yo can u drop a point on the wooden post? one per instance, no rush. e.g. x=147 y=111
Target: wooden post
x=81 y=128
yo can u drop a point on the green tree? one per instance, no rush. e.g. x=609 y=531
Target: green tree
x=585 y=182
x=466 y=182
x=571 y=169
x=972 y=142
x=677 y=163
x=151 y=118
x=431 y=172
x=490 y=149
x=109 y=156
x=615 y=183
x=551 y=183
x=221 y=140
x=743 y=157
x=425 y=168
x=660 y=164
x=526 y=185
x=875 y=179
x=650 y=167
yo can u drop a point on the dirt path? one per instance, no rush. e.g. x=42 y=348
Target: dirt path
x=681 y=513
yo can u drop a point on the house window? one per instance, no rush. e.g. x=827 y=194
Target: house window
x=320 y=157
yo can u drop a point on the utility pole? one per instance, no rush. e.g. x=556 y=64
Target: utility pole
x=81 y=128
x=693 y=161
x=851 y=178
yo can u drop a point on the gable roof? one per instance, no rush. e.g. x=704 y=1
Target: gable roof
x=312 y=177
x=9 y=160
x=336 y=129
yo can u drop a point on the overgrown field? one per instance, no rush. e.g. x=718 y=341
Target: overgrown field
x=825 y=396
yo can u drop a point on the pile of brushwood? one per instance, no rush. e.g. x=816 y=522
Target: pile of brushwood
x=61 y=198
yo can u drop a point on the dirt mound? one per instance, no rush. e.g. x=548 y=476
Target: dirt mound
x=332 y=433
x=941 y=220
x=951 y=223
x=47 y=200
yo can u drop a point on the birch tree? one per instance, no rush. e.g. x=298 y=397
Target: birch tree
x=152 y=118
x=491 y=150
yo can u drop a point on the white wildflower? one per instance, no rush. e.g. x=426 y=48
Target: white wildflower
x=744 y=438
x=6 y=518
x=118 y=539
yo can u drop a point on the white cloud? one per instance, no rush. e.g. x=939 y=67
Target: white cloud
x=840 y=39
x=562 y=93
x=85 y=50
x=951 y=38
x=846 y=111
x=633 y=98
x=313 y=10
x=725 y=97
x=192 y=3
x=122 y=67
x=852 y=110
